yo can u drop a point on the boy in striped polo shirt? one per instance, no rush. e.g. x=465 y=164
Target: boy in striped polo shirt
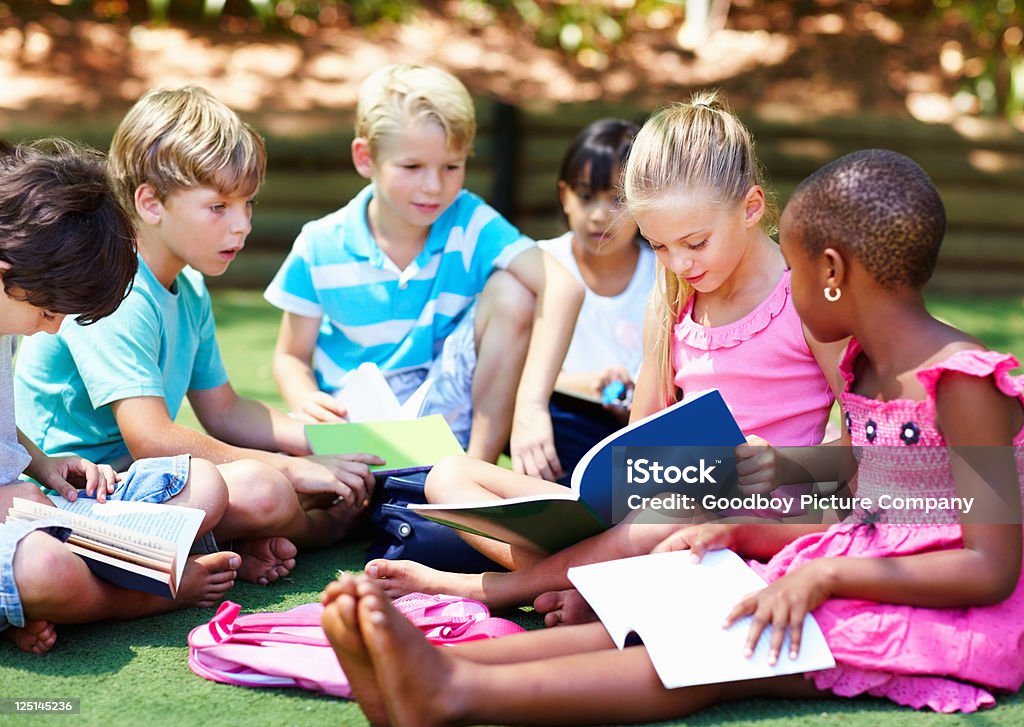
x=423 y=278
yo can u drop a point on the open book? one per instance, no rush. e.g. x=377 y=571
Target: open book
x=378 y=424
x=545 y=523
x=366 y=395
x=677 y=607
x=137 y=545
x=550 y=522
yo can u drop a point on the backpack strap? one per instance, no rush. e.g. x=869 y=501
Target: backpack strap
x=227 y=626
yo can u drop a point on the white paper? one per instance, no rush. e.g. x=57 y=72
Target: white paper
x=367 y=397
x=677 y=607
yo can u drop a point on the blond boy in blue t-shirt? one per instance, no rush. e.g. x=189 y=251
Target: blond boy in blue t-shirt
x=424 y=279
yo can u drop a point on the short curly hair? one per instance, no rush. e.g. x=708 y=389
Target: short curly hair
x=877 y=205
x=69 y=243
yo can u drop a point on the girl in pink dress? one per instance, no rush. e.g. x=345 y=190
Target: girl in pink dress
x=922 y=605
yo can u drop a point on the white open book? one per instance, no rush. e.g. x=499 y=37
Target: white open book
x=137 y=545
x=365 y=393
x=677 y=607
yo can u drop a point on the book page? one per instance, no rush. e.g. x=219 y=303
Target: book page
x=677 y=607
x=78 y=516
x=175 y=525
x=366 y=396
x=413 y=406
x=142 y=532
x=167 y=523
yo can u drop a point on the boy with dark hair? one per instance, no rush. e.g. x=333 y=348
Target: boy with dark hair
x=66 y=248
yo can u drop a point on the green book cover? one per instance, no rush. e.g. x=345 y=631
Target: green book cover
x=405 y=444
x=547 y=523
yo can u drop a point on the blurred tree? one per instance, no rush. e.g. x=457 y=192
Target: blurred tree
x=988 y=58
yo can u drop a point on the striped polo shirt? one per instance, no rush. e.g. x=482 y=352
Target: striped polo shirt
x=372 y=311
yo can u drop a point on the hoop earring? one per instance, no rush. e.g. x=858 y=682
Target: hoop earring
x=833 y=294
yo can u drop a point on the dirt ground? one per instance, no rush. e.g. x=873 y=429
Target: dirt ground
x=845 y=57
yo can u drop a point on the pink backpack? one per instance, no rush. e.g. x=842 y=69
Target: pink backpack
x=289 y=648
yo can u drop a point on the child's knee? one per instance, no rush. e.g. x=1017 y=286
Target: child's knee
x=45 y=571
x=208 y=488
x=447 y=472
x=260 y=492
x=506 y=299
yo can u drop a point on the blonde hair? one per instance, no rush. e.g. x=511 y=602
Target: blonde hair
x=401 y=94
x=695 y=146
x=183 y=138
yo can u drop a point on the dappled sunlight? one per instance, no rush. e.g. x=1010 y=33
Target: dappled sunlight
x=931 y=107
x=836 y=59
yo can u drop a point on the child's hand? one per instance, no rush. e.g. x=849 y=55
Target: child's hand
x=783 y=605
x=321 y=407
x=618 y=377
x=346 y=476
x=58 y=473
x=614 y=373
x=757 y=466
x=532 y=445
x=698 y=539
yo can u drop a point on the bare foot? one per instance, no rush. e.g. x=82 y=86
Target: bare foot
x=564 y=607
x=206 y=579
x=341 y=625
x=399 y=577
x=329 y=525
x=35 y=637
x=264 y=560
x=418 y=680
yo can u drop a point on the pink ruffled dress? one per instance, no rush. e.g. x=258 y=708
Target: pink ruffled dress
x=946 y=659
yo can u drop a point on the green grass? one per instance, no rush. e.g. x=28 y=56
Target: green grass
x=136 y=672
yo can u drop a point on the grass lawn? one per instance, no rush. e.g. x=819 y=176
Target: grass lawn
x=136 y=672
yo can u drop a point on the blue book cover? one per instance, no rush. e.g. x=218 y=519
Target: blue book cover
x=700 y=427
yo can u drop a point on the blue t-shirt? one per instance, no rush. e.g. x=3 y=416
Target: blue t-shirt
x=372 y=311
x=159 y=342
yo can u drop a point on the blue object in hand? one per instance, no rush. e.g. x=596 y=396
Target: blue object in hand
x=614 y=393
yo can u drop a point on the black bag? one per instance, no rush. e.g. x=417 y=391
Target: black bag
x=398 y=533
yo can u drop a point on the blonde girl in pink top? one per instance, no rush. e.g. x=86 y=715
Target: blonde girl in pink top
x=722 y=317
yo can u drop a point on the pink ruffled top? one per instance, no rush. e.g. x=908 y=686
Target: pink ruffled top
x=946 y=659
x=763 y=367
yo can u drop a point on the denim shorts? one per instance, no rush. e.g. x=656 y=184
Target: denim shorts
x=156 y=480
x=11 y=533
x=451 y=379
